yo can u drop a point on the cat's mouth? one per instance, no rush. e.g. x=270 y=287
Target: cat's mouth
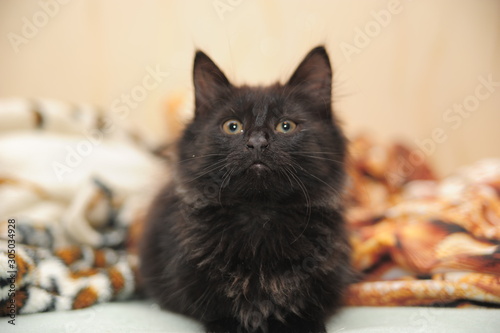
x=259 y=167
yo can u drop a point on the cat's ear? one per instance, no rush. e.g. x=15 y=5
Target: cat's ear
x=314 y=76
x=209 y=81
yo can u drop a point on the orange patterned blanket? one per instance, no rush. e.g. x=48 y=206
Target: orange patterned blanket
x=419 y=240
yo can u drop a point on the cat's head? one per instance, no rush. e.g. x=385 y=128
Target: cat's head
x=276 y=144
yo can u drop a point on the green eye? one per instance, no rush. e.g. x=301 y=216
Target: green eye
x=232 y=127
x=286 y=126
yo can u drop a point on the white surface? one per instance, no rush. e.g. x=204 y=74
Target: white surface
x=145 y=317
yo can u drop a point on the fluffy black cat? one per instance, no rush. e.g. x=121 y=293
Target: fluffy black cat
x=249 y=236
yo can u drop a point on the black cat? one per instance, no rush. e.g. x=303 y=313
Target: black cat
x=249 y=236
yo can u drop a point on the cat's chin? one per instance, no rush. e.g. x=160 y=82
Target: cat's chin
x=259 y=169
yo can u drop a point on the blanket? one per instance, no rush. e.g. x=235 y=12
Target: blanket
x=418 y=240
x=74 y=189
x=72 y=182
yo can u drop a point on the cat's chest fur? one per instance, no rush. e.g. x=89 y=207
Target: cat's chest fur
x=261 y=256
x=257 y=234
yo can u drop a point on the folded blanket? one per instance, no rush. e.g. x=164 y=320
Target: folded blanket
x=74 y=188
x=71 y=185
x=422 y=241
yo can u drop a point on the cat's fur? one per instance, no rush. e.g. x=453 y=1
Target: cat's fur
x=249 y=247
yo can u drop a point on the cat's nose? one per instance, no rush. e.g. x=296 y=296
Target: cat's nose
x=257 y=141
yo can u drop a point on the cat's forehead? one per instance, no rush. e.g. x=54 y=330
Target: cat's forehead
x=260 y=104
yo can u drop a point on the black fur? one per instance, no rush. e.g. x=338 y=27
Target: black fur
x=249 y=236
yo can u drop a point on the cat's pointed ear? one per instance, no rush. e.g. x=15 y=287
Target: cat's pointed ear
x=314 y=76
x=209 y=81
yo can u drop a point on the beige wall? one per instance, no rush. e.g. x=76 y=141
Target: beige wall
x=400 y=80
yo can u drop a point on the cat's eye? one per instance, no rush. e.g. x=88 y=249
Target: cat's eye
x=286 y=126
x=232 y=127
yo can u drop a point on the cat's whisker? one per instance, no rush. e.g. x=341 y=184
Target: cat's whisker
x=294 y=175
x=199 y=302
x=300 y=183
x=317 y=152
x=290 y=164
x=308 y=202
x=222 y=160
x=198 y=157
x=211 y=168
x=287 y=176
x=320 y=158
x=337 y=171
x=225 y=177
x=322 y=181
x=216 y=166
